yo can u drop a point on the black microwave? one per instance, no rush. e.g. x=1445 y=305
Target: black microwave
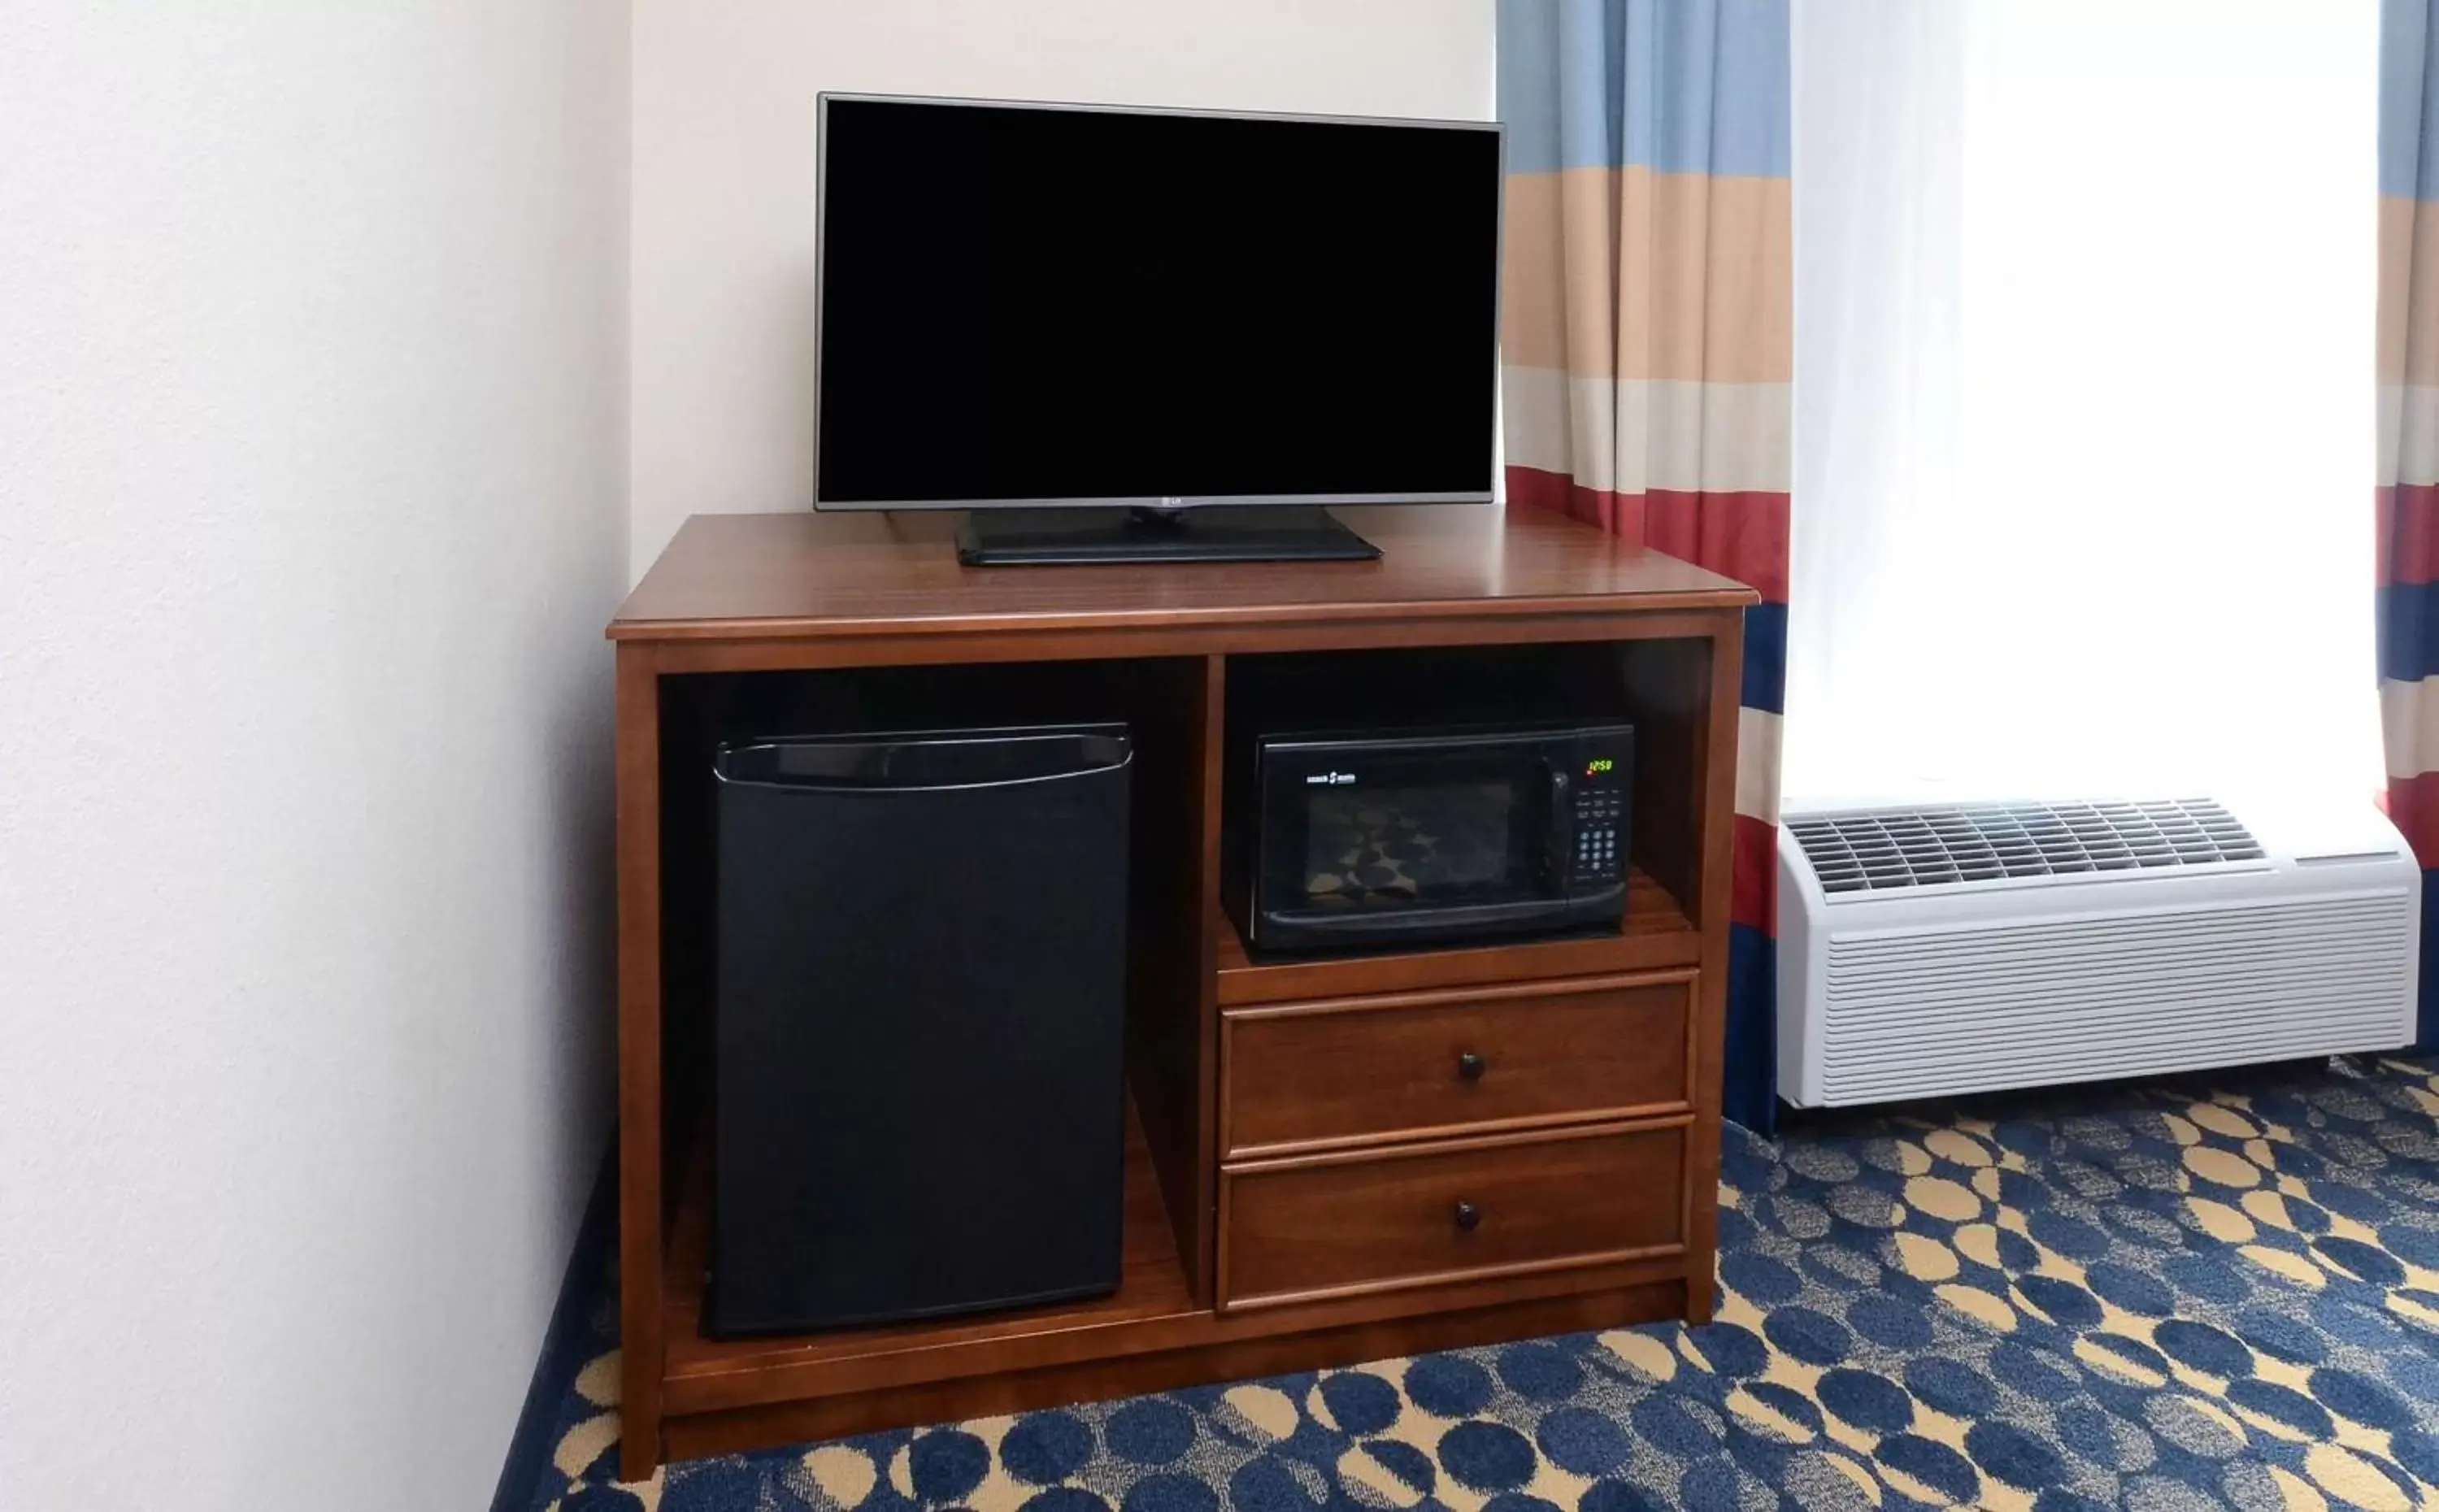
x=1417 y=838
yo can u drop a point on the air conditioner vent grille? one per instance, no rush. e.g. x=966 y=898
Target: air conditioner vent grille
x=1925 y=847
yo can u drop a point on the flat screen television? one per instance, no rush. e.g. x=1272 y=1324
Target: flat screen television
x=1120 y=333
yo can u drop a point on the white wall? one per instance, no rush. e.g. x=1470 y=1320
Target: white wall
x=311 y=515
x=723 y=386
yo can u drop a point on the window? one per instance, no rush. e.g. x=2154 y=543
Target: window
x=2084 y=399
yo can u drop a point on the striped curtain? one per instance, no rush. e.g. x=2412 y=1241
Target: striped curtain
x=1649 y=343
x=2408 y=447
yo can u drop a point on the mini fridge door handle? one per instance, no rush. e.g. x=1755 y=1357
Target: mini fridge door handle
x=922 y=762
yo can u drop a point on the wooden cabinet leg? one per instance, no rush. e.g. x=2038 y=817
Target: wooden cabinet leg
x=640 y=1239
x=1714 y=800
x=1701 y=1296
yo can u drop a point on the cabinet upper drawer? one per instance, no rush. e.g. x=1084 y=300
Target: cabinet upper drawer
x=1418 y=1215
x=1315 y=1075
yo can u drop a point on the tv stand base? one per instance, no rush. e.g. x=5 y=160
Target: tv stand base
x=1062 y=538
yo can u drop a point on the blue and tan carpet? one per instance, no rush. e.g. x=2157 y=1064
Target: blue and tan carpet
x=2211 y=1293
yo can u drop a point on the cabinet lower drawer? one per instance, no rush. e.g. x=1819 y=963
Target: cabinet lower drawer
x=1331 y=1226
x=1313 y=1075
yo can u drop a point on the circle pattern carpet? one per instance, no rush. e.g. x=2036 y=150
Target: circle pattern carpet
x=2213 y=1294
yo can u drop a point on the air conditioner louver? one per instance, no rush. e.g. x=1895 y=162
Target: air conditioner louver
x=1920 y=847
x=1940 y=950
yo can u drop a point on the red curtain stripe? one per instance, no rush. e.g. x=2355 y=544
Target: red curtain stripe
x=1740 y=534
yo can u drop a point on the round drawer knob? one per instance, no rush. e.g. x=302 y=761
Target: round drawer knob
x=1469 y=1066
x=1469 y=1216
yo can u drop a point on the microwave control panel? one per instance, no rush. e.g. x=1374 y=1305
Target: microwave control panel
x=1600 y=814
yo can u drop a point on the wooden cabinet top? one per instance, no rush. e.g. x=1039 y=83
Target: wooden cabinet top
x=744 y=576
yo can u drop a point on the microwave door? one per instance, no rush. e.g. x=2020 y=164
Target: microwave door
x=1375 y=842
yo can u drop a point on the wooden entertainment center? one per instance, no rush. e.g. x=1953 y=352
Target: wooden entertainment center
x=1329 y=1160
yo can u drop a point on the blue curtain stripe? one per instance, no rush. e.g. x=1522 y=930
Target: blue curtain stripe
x=1765 y=684
x=2409 y=135
x=1751 y=1095
x=1703 y=85
x=2409 y=644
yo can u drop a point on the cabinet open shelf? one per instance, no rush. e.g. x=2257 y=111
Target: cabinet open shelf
x=711 y=1373
x=1657 y=935
x=705 y=1374
x=1148 y=1335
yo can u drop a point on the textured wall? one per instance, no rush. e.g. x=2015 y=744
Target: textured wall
x=312 y=387
x=724 y=168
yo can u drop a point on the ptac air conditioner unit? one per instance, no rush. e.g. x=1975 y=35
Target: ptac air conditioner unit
x=1953 y=948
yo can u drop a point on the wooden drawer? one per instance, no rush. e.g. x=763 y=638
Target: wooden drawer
x=1333 y=1225
x=1317 y=1076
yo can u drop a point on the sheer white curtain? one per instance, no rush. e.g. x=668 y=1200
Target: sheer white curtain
x=2084 y=399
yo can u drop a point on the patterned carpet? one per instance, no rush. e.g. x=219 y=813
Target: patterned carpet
x=2215 y=1293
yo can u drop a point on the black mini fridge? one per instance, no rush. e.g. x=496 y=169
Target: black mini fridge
x=919 y=988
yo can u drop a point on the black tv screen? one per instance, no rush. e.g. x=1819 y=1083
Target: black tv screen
x=1025 y=304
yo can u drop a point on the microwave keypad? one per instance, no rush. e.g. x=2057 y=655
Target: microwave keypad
x=1598 y=811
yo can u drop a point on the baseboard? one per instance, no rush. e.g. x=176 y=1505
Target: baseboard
x=530 y=1447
